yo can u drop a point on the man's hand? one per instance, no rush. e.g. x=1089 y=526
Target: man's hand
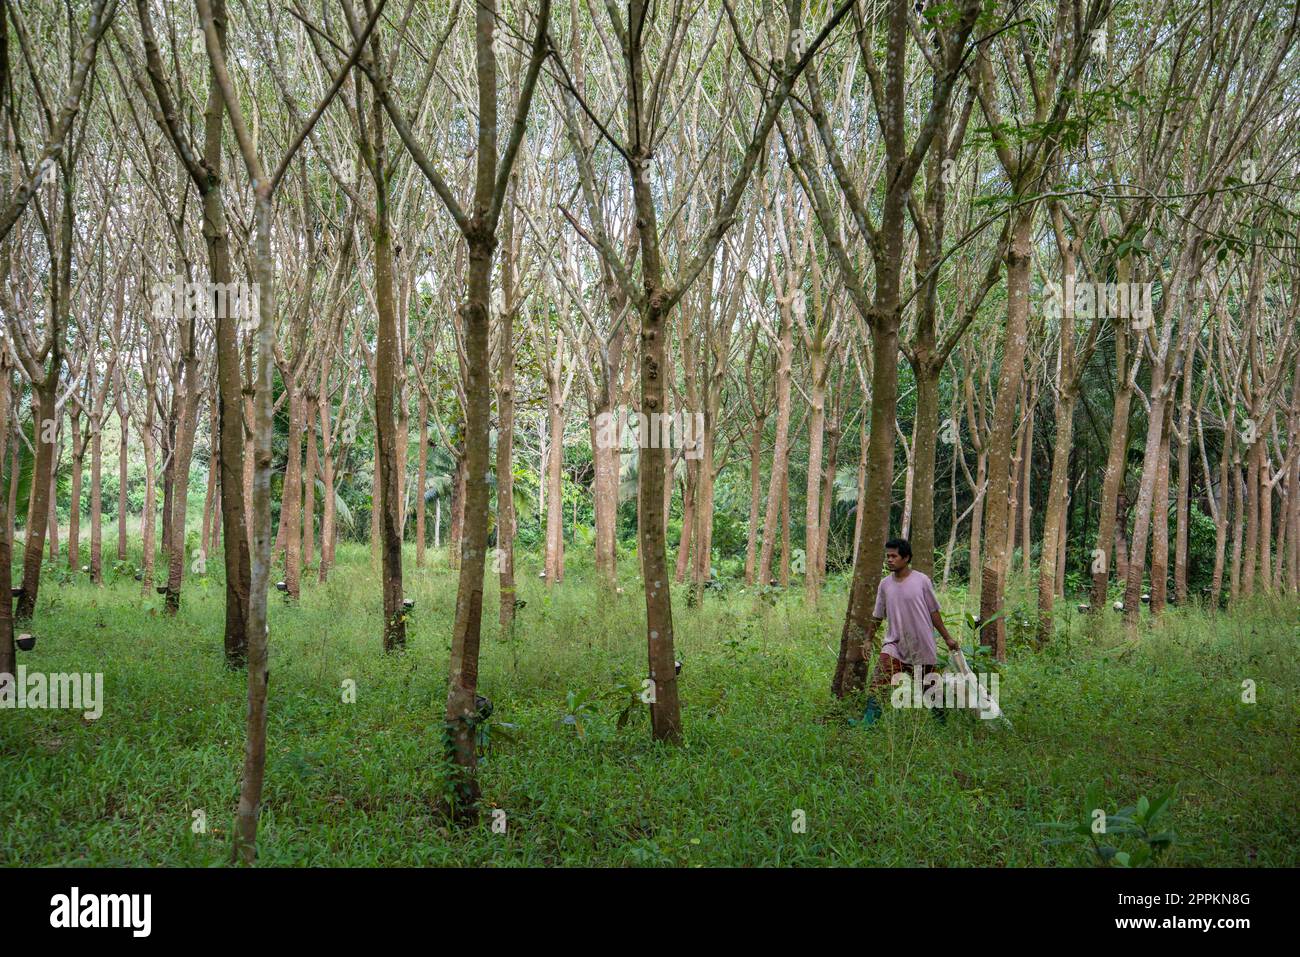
x=936 y=619
x=869 y=642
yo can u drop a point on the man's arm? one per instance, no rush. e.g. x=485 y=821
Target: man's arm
x=936 y=619
x=869 y=650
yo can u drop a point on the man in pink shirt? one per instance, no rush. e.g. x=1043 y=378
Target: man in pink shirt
x=906 y=600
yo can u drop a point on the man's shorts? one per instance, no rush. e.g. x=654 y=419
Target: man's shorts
x=887 y=666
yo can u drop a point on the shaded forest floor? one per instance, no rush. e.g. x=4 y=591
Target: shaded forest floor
x=354 y=783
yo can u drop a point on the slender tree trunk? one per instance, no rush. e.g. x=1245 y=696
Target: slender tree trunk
x=387 y=367
x=1160 y=522
x=997 y=515
x=688 y=521
x=862 y=490
x=1155 y=444
x=422 y=479
x=149 y=514
x=182 y=454
x=812 y=495
x=123 y=426
x=755 y=496
x=462 y=690
x=74 y=510
x=291 y=491
x=781 y=453
x=96 y=500
x=702 y=568
x=1113 y=481
x=505 y=554
x=1238 y=525
x=1058 y=489
x=851 y=667
x=8 y=654
x=1252 y=503
x=554 y=480
x=1183 y=515
x=1026 y=485
x=925 y=431
x=309 y=484
x=43 y=426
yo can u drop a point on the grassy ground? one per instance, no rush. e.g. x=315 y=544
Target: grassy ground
x=353 y=784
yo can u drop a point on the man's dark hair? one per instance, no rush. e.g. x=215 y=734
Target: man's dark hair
x=900 y=545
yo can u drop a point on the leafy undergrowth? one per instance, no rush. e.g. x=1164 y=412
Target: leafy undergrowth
x=355 y=783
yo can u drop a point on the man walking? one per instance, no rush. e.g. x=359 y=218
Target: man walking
x=906 y=600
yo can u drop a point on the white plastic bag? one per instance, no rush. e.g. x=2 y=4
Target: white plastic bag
x=988 y=704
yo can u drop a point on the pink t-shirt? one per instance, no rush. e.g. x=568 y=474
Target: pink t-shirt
x=906 y=603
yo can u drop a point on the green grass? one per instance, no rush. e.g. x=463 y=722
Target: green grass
x=354 y=784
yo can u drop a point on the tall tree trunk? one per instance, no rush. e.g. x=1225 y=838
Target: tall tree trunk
x=1137 y=553
x=327 y=522
x=182 y=454
x=8 y=655
x=1160 y=522
x=997 y=516
x=1116 y=462
x=309 y=484
x=554 y=566
x=1026 y=484
x=43 y=427
x=925 y=431
x=291 y=490
x=505 y=553
x=150 y=512
x=1058 y=488
x=235 y=530
x=755 y=496
x=74 y=509
x=422 y=478
x=123 y=426
x=96 y=499
x=1183 y=515
x=387 y=362
x=851 y=666
x=812 y=495
x=781 y=453
x=1238 y=523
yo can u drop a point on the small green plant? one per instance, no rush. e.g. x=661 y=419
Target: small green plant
x=627 y=700
x=1140 y=822
x=579 y=711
